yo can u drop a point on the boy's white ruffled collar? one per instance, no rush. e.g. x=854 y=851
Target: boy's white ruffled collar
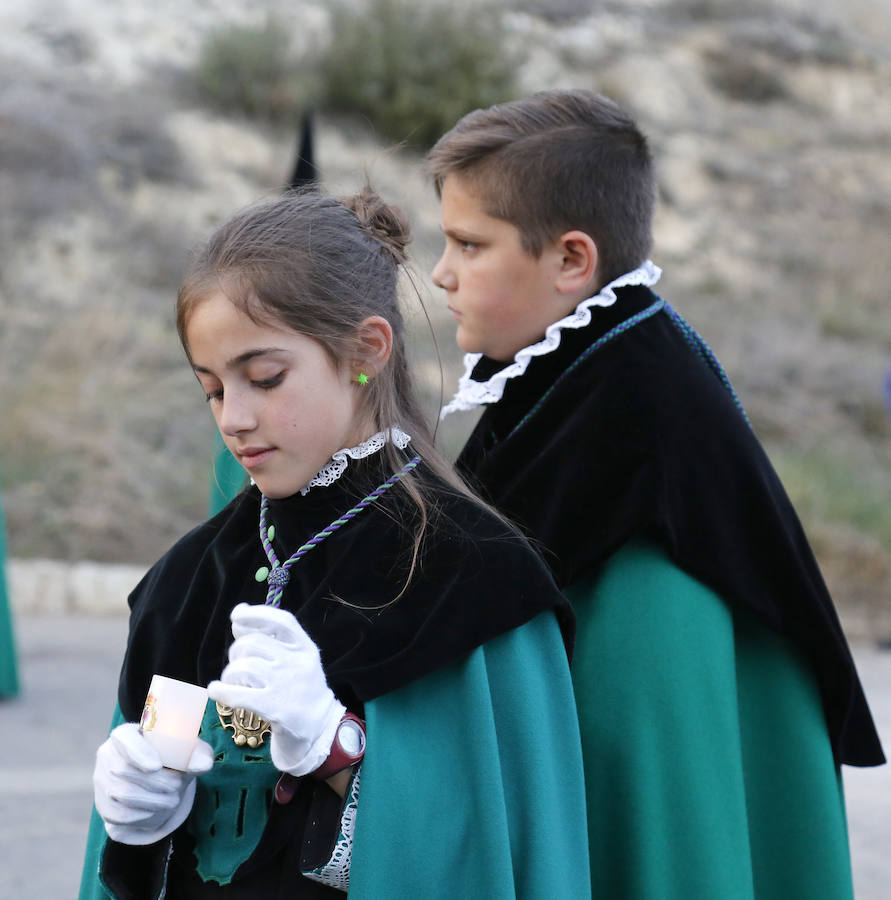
x=472 y=393
x=331 y=471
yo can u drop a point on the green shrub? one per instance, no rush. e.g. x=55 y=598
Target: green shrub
x=413 y=69
x=250 y=70
x=557 y=11
x=740 y=75
x=826 y=486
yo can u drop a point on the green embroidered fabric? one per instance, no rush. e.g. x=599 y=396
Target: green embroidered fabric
x=232 y=802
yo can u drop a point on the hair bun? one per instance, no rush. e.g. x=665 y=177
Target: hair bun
x=388 y=224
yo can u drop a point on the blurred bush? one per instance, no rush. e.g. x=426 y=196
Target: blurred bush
x=251 y=70
x=414 y=69
x=560 y=12
x=740 y=75
x=410 y=70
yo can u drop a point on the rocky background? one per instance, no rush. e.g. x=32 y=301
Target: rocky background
x=771 y=123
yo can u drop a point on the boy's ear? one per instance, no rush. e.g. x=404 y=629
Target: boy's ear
x=578 y=268
x=375 y=343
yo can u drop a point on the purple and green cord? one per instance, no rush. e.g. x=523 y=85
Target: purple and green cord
x=279 y=575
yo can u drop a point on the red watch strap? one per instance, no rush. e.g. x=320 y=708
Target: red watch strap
x=338 y=759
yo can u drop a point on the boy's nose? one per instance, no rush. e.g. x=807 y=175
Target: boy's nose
x=443 y=277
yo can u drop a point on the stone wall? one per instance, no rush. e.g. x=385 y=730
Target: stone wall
x=49 y=586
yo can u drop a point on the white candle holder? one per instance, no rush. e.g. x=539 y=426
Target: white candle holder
x=172 y=718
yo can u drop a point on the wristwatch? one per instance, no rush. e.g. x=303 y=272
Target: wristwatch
x=348 y=747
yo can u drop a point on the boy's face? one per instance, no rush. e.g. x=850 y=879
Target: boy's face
x=502 y=297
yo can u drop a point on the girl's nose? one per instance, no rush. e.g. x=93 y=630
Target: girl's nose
x=443 y=276
x=236 y=415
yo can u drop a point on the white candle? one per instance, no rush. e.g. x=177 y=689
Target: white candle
x=172 y=718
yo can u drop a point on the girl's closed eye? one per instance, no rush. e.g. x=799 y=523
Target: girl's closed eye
x=268 y=383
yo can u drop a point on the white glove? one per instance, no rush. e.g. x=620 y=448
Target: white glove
x=139 y=800
x=275 y=671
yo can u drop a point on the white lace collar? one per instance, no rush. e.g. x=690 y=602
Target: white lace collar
x=330 y=472
x=472 y=393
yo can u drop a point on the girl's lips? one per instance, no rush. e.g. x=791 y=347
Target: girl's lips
x=251 y=458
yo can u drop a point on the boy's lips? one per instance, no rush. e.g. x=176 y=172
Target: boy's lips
x=250 y=457
x=454 y=312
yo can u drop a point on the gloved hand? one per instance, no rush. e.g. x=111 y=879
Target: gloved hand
x=138 y=799
x=275 y=671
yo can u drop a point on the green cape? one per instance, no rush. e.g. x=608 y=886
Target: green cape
x=709 y=766
x=472 y=783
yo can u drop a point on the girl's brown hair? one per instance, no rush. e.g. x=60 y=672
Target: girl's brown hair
x=321 y=266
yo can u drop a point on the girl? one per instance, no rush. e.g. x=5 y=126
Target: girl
x=394 y=602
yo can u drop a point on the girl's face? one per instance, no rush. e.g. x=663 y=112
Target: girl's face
x=282 y=406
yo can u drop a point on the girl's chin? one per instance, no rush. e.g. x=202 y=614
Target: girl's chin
x=277 y=492
x=275 y=489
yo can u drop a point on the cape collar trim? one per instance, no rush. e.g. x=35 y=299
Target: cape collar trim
x=471 y=394
x=331 y=471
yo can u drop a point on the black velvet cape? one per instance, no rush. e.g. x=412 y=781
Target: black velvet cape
x=642 y=439
x=476 y=578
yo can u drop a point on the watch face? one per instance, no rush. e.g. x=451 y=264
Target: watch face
x=351 y=738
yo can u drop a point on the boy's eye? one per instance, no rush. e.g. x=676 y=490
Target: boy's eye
x=467 y=246
x=214 y=395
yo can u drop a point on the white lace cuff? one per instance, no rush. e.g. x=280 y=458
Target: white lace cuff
x=330 y=472
x=336 y=872
x=472 y=393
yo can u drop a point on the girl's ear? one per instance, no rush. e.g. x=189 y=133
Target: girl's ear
x=578 y=268
x=375 y=343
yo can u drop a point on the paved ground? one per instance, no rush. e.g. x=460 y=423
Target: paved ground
x=69 y=667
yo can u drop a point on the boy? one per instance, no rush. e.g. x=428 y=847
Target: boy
x=716 y=693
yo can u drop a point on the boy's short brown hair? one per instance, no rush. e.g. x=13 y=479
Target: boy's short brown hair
x=557 y=161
